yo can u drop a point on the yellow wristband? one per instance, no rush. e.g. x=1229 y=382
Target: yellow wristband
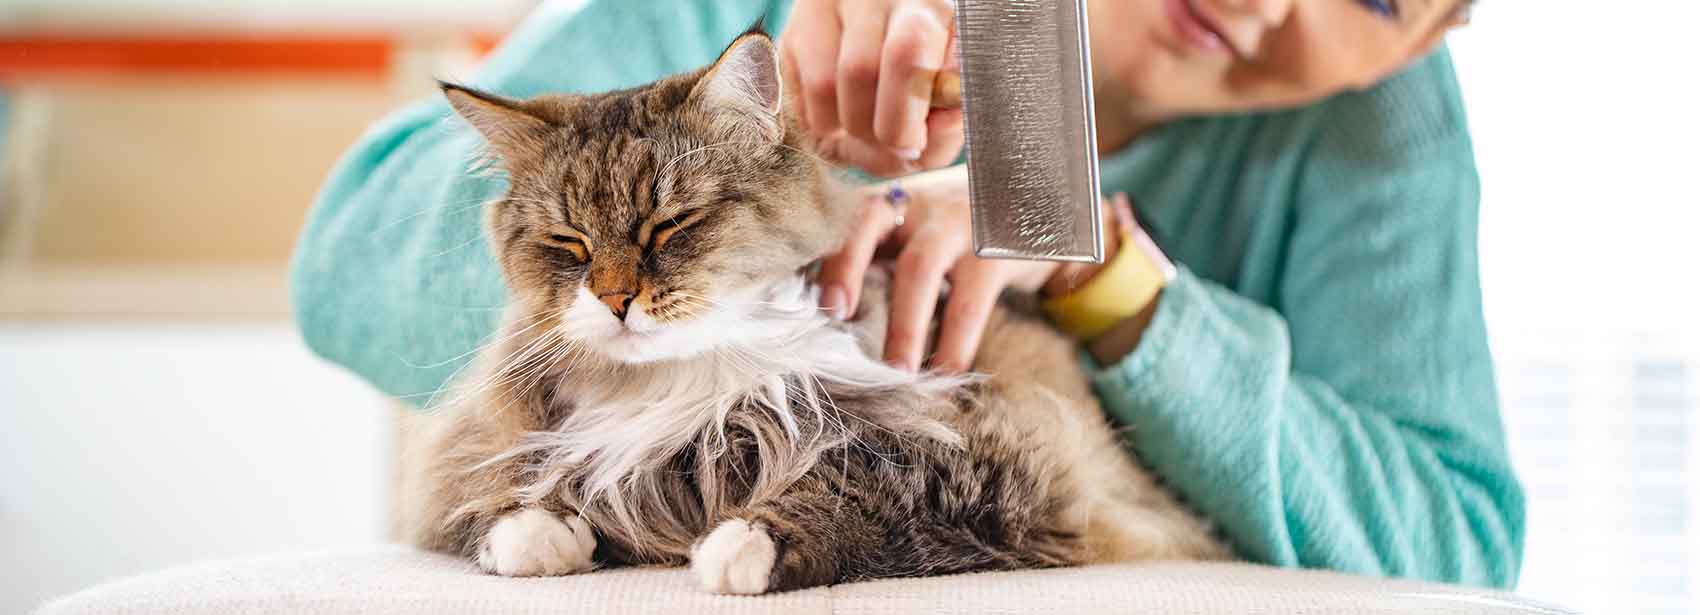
x=1118 y=291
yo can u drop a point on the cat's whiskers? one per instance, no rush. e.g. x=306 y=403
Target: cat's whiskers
x=542 y=369
x=460 y=246
x=662 y=174
x=450 y=384
x=553 y=348
x=459 y=206
x=476 y=350
x=502 y=369
x=423 y=212
x=714 y=303
x=675 y=308
x=692 y=304
x=475 y=389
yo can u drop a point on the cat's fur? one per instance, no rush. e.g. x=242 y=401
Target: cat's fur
x=724 y=421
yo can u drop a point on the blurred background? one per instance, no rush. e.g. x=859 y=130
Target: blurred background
x=157 y=158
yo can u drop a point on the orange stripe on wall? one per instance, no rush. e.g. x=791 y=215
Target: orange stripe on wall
x=36 y=55
x=484 y=43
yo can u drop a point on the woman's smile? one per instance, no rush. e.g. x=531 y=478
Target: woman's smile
x=1196 y=30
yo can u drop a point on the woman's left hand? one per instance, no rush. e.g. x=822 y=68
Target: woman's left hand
x=933 y=243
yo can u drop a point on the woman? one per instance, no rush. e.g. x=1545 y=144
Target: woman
x=1314 y=375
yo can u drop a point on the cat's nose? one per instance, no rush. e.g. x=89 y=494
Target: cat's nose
x=617 y=303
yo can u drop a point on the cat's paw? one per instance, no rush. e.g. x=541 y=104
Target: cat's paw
x=536 y=543
x=736 y=558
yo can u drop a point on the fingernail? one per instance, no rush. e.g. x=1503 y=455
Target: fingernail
x=908 y=154
x=903 y=364
x=834 y=300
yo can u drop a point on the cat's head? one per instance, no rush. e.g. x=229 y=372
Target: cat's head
x=650 y=220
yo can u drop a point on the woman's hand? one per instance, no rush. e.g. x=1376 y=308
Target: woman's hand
x=934 y=243
x=861 y=73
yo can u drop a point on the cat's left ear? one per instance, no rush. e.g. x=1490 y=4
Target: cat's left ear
x=509 y=128
x=744 y=85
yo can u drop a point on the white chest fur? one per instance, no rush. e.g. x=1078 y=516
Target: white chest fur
x=772 y=360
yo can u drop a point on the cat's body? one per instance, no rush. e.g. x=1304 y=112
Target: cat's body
x=665 y=391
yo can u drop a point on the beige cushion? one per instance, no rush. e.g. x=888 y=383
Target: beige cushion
x=385 y=580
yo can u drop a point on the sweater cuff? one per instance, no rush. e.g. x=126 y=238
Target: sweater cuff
x=1175 y=313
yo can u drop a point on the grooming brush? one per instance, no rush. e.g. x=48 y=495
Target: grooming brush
x=1026 y=94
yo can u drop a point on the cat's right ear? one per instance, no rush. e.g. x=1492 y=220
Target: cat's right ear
x=744 y=86
x=504 y=122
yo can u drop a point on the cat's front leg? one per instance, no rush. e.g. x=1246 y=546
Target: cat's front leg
x=473 y=503
x=534 y=542
x=737 y=557
x=799 y=541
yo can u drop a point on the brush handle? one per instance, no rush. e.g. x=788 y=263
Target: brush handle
x=947 y=90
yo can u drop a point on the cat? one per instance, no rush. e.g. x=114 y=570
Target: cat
x=665 y=391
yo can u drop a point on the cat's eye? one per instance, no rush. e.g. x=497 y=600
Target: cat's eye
x=664 y=229
x=1385 y=8
x=570 y=243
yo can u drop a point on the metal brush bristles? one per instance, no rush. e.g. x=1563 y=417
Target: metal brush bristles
x=1032 y=150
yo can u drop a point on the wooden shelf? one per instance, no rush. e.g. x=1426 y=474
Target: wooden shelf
x=132 y=293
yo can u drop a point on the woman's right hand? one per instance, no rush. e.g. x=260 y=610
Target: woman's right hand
x=861 y=73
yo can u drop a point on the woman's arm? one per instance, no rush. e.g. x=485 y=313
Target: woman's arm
x=391 y=277
x=1358 y=428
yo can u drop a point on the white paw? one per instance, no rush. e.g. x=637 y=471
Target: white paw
x=736 y=558
x=536 y=543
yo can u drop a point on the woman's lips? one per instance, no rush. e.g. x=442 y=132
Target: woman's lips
x=1195 y=29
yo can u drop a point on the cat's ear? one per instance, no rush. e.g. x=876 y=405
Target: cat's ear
x=744 y=85
x=505 y=123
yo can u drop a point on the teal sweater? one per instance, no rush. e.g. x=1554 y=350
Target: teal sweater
x=1317 y=380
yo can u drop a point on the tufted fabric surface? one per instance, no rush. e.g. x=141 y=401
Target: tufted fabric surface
x=393 y=580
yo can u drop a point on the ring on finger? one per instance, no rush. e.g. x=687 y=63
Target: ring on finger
x=898 y=199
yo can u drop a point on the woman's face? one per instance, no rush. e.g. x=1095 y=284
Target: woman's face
x=1181 y=57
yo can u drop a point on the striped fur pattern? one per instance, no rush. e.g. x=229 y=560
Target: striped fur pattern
x=664 y=390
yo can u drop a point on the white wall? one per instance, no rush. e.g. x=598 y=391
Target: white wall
x=1586 y=117
x=129 y=448
x=1586 y=125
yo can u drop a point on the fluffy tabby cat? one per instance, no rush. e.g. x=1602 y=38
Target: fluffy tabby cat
x=666 y=392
